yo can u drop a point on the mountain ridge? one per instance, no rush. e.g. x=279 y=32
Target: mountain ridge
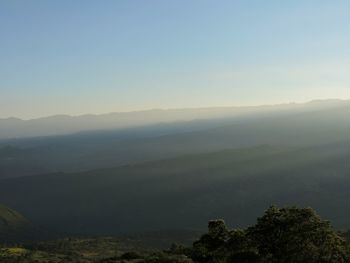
x=311 y=102
x=66 y=124
x=110 y=148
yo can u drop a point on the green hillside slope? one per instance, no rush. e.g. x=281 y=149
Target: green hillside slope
x=13 y=226
x=187 y=191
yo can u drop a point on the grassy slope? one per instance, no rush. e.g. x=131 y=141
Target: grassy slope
x=13 y=226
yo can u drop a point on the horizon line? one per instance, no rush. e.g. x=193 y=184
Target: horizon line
x=174 y=109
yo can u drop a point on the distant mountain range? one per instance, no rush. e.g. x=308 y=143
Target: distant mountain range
x=296 y=126
x=180 y=174
x=64 y=124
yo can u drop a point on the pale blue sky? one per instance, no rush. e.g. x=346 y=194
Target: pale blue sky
x=76 y=57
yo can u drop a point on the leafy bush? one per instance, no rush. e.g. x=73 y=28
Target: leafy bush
x=281 y=235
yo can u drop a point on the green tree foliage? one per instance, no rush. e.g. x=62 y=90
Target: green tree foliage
x=223 y=245
x=281 y=235
x=286 y=235
x=211 y=246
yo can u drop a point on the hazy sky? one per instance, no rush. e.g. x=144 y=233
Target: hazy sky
x=74 y=57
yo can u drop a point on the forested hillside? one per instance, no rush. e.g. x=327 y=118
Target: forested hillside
x=187 y=191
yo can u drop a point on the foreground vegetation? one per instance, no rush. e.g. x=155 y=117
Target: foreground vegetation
x=281 y=235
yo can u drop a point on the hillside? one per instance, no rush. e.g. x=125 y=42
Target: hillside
x=185 y=192
x=265 y=241
x=300 y=127
x=13 y=226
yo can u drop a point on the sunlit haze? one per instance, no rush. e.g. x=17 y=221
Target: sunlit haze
x=78 y=57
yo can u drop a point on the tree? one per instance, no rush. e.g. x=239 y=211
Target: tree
x=292 y=235
x=223 y=245
x=239 y=248
x=281 y=235
x=211 y=247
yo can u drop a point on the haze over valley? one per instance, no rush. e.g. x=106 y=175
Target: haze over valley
x=112 y=179
x=187 y=131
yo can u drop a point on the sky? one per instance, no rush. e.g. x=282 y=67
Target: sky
x=82 y=56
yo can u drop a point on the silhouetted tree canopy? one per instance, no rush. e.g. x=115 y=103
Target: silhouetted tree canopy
x=281 y=235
